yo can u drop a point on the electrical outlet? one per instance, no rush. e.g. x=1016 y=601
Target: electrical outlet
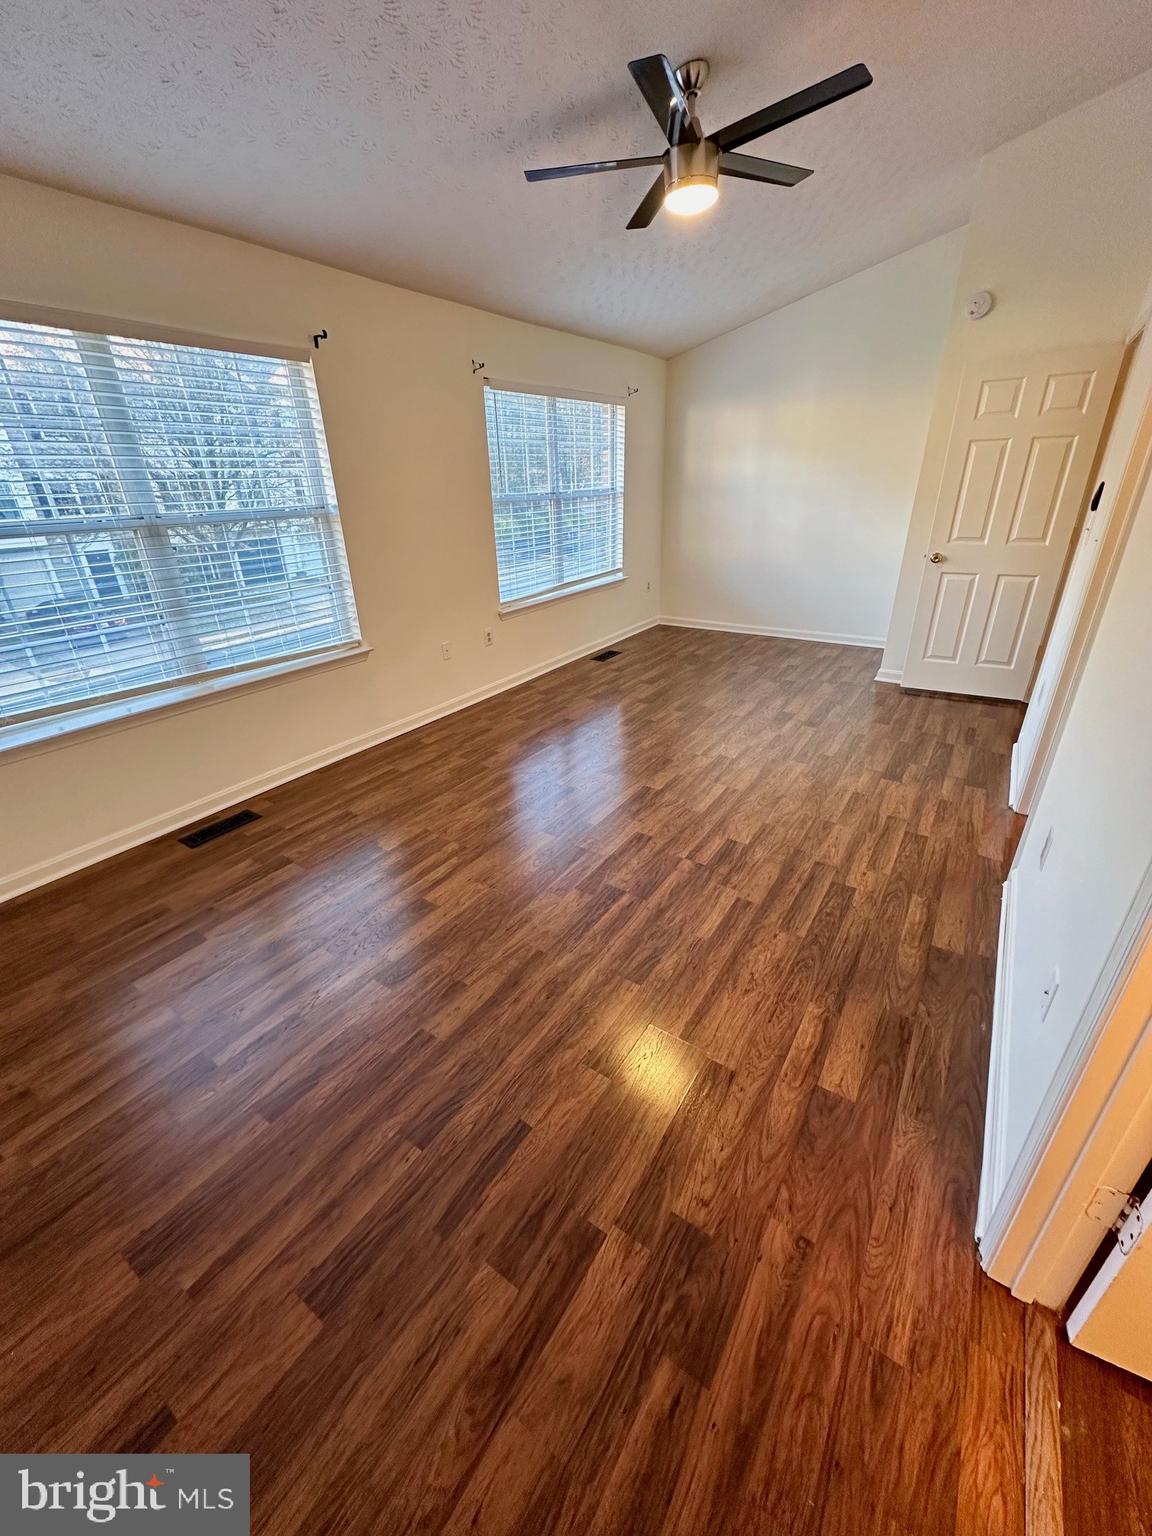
x=487 y=637
x=446 y=650
x=1048 y=994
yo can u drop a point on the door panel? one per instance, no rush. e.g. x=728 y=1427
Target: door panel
x=1007 y=617
x=979 y=489
x=1045 y=476
x=999 y=397
x=950 y=619
x=1068 y=391
x=1015 y=473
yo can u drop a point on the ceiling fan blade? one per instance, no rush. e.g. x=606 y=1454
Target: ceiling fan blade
x=650 y=207
x=752 y=168
x=665 y=96
x=811 y=99
x=554 y=172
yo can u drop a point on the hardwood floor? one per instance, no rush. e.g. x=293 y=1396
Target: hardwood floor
x=1106 y=1420
x=565 y=1118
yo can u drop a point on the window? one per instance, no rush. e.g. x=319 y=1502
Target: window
x=557 y=466
x=166 y=514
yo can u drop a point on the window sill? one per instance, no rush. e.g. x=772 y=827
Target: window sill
x=506 y=610
x=50 y=730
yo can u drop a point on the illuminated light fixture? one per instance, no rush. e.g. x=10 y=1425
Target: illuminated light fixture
x=691 y=178
x=691 y=195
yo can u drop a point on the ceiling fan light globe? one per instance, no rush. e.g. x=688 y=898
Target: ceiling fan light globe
x=691 y=195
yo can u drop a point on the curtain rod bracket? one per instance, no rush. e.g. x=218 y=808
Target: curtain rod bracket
x=478 y=367
x=318 y=337
x=633 y=389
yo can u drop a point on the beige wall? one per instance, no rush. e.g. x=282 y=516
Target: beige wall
x=405 y=425
x=793 y=447
x=1061 y=234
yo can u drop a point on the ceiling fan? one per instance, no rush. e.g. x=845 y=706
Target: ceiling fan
x=691 y=166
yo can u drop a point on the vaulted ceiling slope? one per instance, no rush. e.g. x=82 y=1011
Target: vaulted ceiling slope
x=388 y=137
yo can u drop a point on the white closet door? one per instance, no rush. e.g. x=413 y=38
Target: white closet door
x=1114 y=1318
x=1016 y=471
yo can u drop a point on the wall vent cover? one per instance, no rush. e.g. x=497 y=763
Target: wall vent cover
x=216 y=829
x=605 y=655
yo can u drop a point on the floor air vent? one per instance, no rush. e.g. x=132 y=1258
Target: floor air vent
x=605 y=655
x=216 y=829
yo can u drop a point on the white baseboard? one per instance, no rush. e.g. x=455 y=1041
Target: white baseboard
x=818 y=635
x=1014 y=777
x=56 y=868
x=890 y=675
x=993 y=1174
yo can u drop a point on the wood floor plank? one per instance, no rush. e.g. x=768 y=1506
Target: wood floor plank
x=1106 y=1429
x=564 y=1118
x=990 y=1500
x=1043 y=1457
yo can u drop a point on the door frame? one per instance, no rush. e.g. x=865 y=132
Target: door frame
x=1029 y=770
x=1093 y=1130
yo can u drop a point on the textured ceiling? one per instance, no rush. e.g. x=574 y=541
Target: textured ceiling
x=388 y=136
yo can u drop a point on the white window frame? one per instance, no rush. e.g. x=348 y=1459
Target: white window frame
x=611 y=576
x=91 y=334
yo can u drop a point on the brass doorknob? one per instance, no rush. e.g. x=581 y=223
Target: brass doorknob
x=935 y=557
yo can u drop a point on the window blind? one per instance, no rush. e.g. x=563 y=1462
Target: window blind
x=166 y=513
x=557 y=467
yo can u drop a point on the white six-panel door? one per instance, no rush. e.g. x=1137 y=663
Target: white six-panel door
x=1015 y=475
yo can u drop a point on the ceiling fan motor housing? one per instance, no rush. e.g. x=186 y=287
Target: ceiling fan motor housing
x=690 y=163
